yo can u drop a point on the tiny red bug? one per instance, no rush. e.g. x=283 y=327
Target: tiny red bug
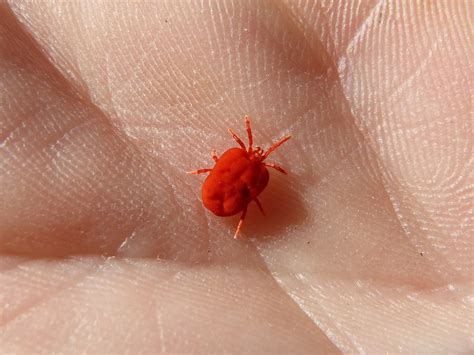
x=238 y=177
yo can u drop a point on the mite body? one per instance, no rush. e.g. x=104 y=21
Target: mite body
x=234 y=182
x=238 y=177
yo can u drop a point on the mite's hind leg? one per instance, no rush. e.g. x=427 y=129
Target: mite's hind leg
x=198 y=171
x=241 y=222
x=259 y=206
x=214 y=155
x=276 y=167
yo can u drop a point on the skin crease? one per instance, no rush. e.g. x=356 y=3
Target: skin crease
x=366 y=245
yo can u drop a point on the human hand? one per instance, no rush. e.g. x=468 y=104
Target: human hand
x=365 y=246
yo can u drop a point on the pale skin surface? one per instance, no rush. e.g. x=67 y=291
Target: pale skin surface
x=366 y=245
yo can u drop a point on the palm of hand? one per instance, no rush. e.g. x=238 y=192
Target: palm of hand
x=104 y=243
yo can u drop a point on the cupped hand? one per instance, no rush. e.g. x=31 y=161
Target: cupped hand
x=366 y=245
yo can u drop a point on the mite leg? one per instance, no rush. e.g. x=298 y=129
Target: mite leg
x=241 y=221
x=237 y=139
x=275 y=146
x=198 y=171
x=276 y=167
x=214 y=155
x=259 y=206
x=249 y=133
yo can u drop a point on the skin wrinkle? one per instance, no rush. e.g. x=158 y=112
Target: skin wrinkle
x=211 y=76
x=406 y=225
x=232 y=88
x=109 y=94
x=169 y=63
x=343 y=94
x=54 y=141
x=123 y=138
x=318 y=327
x=159 y=325
x=425 y=214
x=14 y=265
x=327 y=47
x=46 y=296
x=335 y=341
x=39 y=185
x=119 y=160
x=177 y=70
x=30 y=37
x=410 y=296
x=361 y=31
x=257 y=68
x=227 y=64
x=363 y=130
x=85 y=100
x=97 y=198
x=58 y=72
x=327 y=38
x=406 y=222
x=382 y=282
x=171 y=184
x=320 y=60
x=340 y=339
x=101 y=266
x=265 y=271
x=400 y=88
x=184 y=292
x=384 y=178
x=29 y=116
x=132 y=233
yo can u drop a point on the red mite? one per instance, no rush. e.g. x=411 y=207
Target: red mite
x=238 y=177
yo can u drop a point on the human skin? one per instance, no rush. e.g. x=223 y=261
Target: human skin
x=367 y=243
